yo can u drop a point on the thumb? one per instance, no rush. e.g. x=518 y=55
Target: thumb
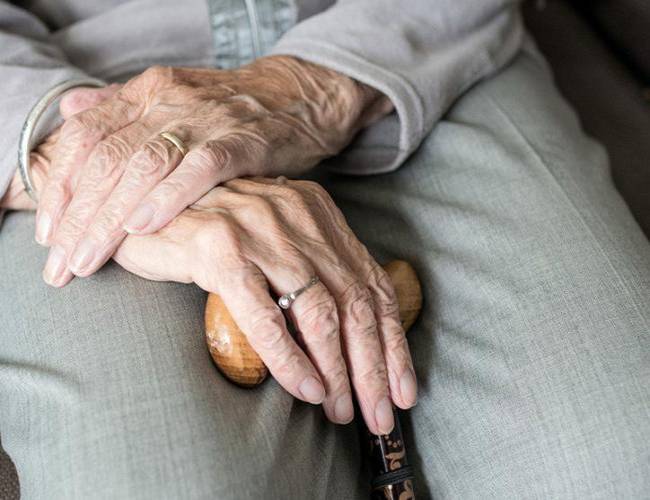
x=82 y=98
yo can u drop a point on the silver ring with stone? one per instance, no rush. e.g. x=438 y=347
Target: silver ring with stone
x=288 y=298
x=25 y=144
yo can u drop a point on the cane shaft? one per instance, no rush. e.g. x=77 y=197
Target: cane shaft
x=392 y=475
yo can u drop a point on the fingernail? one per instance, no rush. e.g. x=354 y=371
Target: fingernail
x=140 y=218
x=55 y=267
x=384 y=416
x=408 y=387
x=82 y=256
x=343 y=409
x=43 y=228
x=312 y=390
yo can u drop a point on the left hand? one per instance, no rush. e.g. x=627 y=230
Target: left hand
x=113 y=173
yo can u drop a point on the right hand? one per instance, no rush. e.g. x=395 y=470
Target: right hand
x=249 y=235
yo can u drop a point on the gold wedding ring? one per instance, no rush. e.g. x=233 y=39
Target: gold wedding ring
x=175 y=141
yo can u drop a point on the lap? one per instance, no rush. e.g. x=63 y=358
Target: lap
x=532 y=348
x=108 y=391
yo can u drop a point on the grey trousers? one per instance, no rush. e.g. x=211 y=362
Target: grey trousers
x=532 y=352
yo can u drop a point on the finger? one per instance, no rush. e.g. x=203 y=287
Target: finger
x=201 y=170
x=105 y=167
x=403 y=387
x=314 y=316
x=78 y=138
x=401 y=374
x=146 y=168
x=82 y=98
x=362 y=346
x=56 y=272
x=168 y=255
x=245 y=293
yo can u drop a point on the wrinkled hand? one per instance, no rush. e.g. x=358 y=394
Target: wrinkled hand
x=113 y=173
x=250 y=235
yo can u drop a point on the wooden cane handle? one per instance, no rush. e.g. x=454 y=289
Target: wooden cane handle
x=237 y=360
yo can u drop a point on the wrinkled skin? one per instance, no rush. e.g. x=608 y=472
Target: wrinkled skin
x=251 y=235
x=112 y=172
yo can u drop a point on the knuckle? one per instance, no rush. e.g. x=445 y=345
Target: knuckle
x=108 y=156
x=74 y=99
x=316 y=192
x=260 y=207
x=320 y=320
x=219 y=240
x=364 y=329
x=372 y=376
x=108 y=225
x=73 y=225
x=338 y=378
x=386 y=298
x=359 y=311
x=247 y=102
x=172 y=195
x=155 y=75
x=82 y=127
x=288 y=363
x=150 y=160
x=266 y=329
x=293 y=197
x=213 y=156
x=396 y=342
x=170 y=191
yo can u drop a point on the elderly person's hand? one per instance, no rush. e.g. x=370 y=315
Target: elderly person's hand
x=249 y=235
x=113 y=172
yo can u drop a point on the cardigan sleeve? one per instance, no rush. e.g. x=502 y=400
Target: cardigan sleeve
x=422 y=54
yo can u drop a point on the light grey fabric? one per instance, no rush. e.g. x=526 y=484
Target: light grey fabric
x=533 y=349
x=423 y=54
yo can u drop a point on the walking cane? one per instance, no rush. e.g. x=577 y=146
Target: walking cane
x=392 y=476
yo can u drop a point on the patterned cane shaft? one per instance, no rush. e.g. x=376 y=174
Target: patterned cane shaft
x=392 y=476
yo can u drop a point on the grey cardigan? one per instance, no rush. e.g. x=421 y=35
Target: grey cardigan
x=421 y=53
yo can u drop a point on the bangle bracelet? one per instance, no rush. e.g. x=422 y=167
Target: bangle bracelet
x=26 y=135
